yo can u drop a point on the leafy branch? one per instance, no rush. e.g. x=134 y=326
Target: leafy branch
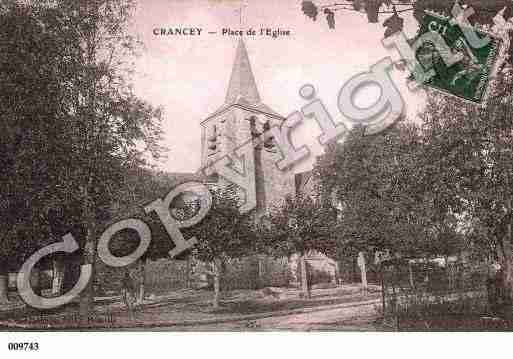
x=485 y=10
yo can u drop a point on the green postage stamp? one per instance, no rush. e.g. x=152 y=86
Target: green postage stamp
x=468 y=78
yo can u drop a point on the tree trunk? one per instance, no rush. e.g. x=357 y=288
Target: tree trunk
x=305 y=289
x=87 y=296
x=363 y=270
x=508 y=264
x=88 y=207
x=142 y=280
x=35 y=280
x=217 y=266
x=4 y=287
x=410 y=271
x=355 y=271
x=448 y=273
x=188 y=283
x=58 y=277
x=260 y=272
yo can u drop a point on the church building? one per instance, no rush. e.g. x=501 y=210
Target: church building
x=243 y=117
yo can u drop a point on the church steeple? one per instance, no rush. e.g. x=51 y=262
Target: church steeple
x=242 y=82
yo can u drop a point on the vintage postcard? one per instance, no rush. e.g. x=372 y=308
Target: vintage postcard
x=249 y=166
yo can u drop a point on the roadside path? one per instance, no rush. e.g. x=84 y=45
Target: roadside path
x=175 y=312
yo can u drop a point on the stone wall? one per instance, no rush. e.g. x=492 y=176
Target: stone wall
x=165 y=275
x=161 y=276
x=247 y=273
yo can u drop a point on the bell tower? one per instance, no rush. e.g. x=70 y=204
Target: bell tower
x=244 y=117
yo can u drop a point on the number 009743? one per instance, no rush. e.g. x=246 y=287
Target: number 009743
x=34 y=346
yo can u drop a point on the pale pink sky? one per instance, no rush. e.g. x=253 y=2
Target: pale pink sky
x=188 y=75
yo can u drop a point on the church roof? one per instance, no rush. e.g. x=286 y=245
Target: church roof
x=259 y=108
x=242 y=82
x=242 y=89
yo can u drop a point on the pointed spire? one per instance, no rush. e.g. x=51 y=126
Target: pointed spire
x=242 y=82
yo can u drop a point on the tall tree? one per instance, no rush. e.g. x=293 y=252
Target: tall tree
x=37 y=63
x=387 y=194
x=223 y=234
x=84 y=127
x=474 y=147
x=141 y=186
x=110 y=126
x=300 y=225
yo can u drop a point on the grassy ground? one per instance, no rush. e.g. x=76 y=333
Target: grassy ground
x=190 y=306
x=456 y=322
x=469 y=311
x=338 y=309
